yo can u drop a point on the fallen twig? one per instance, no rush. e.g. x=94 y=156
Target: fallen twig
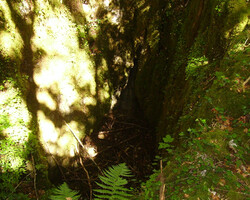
x=89 y=182
x=244 y=84
x=81 y=144
x=163 y=186
x=19 y=184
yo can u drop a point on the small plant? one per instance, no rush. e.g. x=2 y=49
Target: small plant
x=165 y=144
x=151 y=186
x=219 y=7
x=222 y=80
x=64 y=192
x=113 y=183
x=194 y=63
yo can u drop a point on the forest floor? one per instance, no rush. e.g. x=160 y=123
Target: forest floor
x=119 y=140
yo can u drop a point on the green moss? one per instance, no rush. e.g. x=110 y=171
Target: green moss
x=217 y=140
x=208 y=156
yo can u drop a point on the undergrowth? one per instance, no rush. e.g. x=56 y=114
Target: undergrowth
x=113 y=183
x=208 y=157
x=19 y=147
x=64 y=192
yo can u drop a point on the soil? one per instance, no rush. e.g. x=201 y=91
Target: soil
x=119 y=140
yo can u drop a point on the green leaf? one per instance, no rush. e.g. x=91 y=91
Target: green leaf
x=168 y=139
x=112 y=186
x=64 y=192
x=181 y=134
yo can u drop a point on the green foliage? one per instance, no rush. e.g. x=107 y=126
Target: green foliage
x=11 y=162
x=210 y=160
x=151 y=186
x=13 y=196
x=17 y=142
x=4 y=122
x=64 y=192
x=221 y=80
x=82 y=34
x=220 y=6
x=165 y=144
x=112 y=186
x=193 y=64
x=196 y=58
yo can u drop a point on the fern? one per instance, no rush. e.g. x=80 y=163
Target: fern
x=64 y=192
x=113 y=184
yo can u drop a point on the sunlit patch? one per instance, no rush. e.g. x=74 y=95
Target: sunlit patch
x=54 y=32
x=56 y=141
x=104 y=92
x=49 y=133
x=118 y=60
x=89 y=101
x=15 y=162
x=59 y=76
x=90 y=10
x=14 y=120
x=6 y=41
x=44 y=98
x=25 y=7
x=64 y=74
x=102 y=135
x=92 y=152
x=64 y=141
x=14 y=108
x=68 y=96
x=50 y=71
x=106 y=3
x=114 y=16
x=10 y=39
x=84 y=73
x=86 y=8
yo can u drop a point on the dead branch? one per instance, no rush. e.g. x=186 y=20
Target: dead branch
x=163 y=186
x=19 y=184
x=84 y=147
x=244 y=84
x=89 y=182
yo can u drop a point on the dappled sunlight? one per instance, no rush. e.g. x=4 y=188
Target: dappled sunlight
x=14 y=120
x=18 y=115
x=55 y=34
x=10 y=40
x=104 y=91
x=45 y=98
x=56 y=141
x=90 y=9
x=50 y=133
x=66 y=79
x=86 y=84
x=83 y=72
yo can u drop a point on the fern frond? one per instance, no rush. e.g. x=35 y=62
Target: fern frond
x=64 y=192
x=112 y=186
